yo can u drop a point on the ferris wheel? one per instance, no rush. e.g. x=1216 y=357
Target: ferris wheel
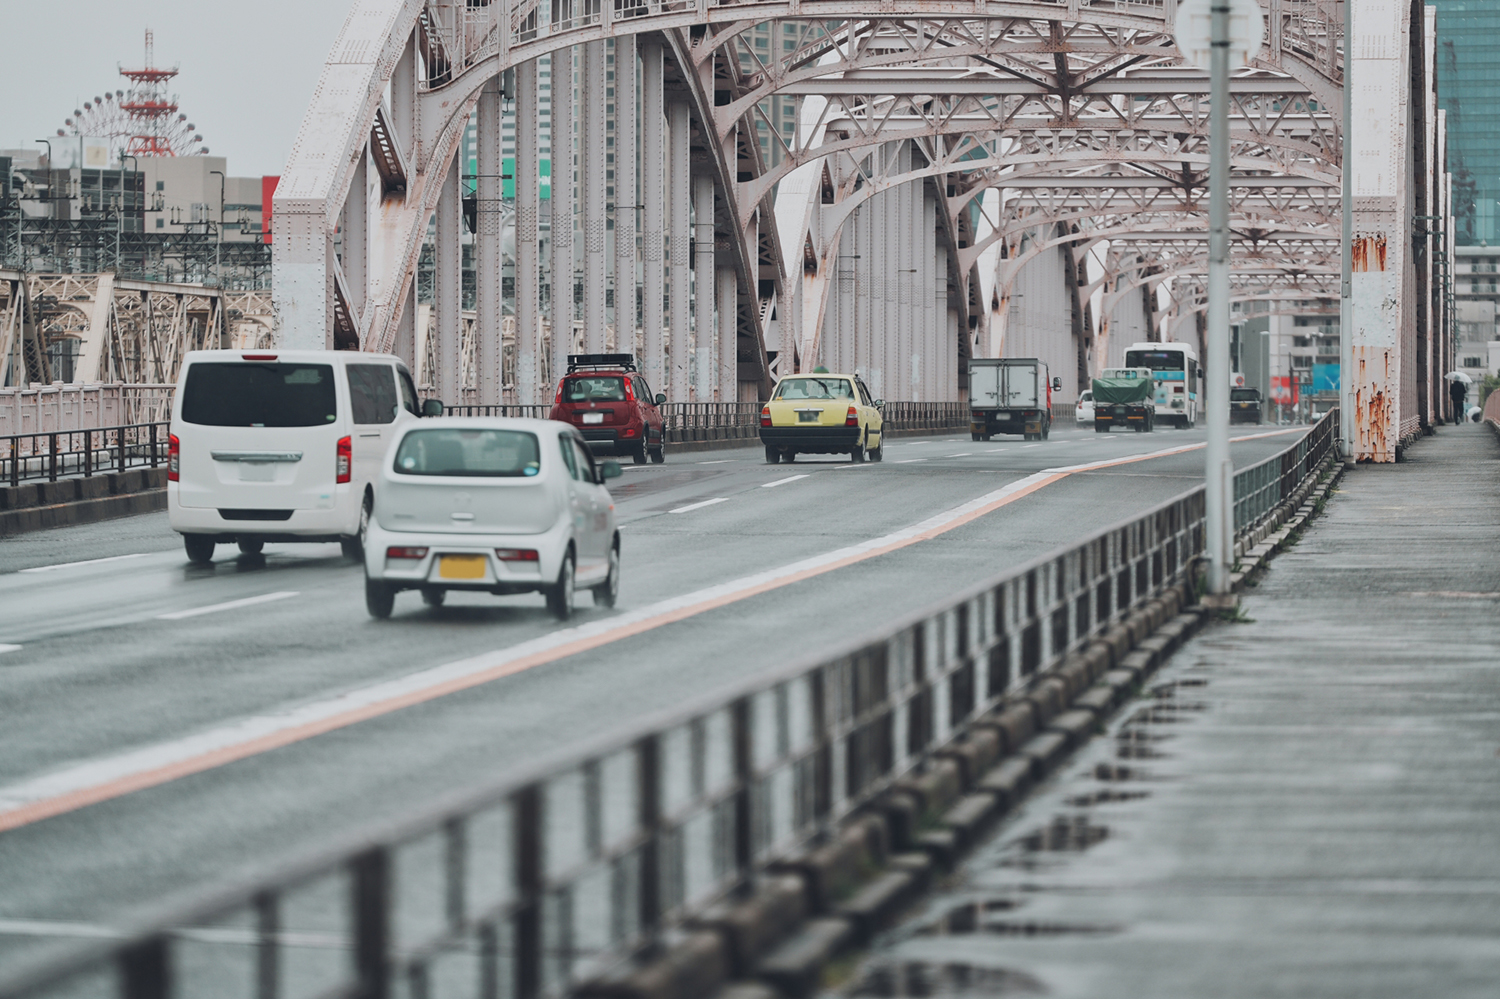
x=143 y=120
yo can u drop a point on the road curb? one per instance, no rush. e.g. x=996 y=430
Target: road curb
x=68 y=502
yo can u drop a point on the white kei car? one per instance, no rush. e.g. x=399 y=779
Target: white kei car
x=1084 y=411
x=494 y=505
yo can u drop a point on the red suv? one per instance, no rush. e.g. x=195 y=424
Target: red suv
x=605 y=397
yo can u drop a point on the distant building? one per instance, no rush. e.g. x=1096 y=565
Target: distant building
x=1468 y=66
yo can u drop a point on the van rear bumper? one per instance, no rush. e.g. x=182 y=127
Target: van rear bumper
x=301 y=525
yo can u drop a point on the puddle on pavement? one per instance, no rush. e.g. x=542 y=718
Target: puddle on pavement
x=922 y=978
x=1115 y=772
x=1065 y=833
x=1108 y=796
x=992 y=917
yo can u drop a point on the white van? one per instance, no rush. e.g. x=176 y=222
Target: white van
x=281 y=445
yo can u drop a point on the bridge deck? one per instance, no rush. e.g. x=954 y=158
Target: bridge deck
x=1315 y=805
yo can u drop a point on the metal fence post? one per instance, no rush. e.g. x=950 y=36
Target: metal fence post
x=744 y=795
x=153 y=445
x=648 y=799
x=267 y=954
x=371 y=901
x=526 y=832
x=146 y=970
x=52 y=457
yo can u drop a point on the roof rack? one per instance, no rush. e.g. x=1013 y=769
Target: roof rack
x=576 y=361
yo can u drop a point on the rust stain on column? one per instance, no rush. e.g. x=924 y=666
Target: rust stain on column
x=1368 y=253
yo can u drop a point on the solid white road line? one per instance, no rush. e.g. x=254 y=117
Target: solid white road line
x=719 y=461
x=10 y=648
x=908 y=461
x=90 y=561
x=781 y=482
x=699 y=506
x=103 y=778
x=961 y=454
x=1030 y=445
x=264 y=598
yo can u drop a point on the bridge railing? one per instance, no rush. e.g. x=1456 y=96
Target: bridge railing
x=559 y=871
x=51 y=456
x=1260 y=488
x=43 y=409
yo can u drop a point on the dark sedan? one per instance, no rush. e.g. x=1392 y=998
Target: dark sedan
x=1244 y=405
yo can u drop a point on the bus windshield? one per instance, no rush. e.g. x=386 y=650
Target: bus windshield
x=1156 y=360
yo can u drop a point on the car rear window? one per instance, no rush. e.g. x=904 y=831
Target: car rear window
x=1244 y=395
x=594 y=388
x=814 y=388
x=259 y=394
x=456 y=451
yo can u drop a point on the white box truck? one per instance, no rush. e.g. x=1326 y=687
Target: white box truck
x=1010 y=395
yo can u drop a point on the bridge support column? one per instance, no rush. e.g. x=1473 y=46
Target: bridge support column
x=703 y=287
x=488 y=291
x=653 y=197
x=726 y=298
x=625 y=199
x=595 y=177
x=681 y=181
x=447 y=290
x=355 y=225
x=528 y=257
x=406 y=330
x=562 y=215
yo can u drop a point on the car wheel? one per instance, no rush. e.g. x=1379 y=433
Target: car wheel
x=607 y=592
x=638 y=455
x=380 y=598
x=1047 y=431
x=974 y=436
x=252 y=547
x=354 y=547
x=878 y=454
x=773 y=455
x=200 y=548
x=560 y=593
x=789 y=456
x=658 y=454
x=434 y=596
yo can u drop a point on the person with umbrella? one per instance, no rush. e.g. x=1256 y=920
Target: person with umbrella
x=1458 y=389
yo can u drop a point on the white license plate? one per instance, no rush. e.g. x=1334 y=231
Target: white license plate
x=256 y=471
x=593 y=417
x=808 y=417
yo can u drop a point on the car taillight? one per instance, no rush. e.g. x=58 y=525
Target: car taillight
x=345 y=463
x=260 y=357
x=517 y=555
x=406 y=553
x=765 y=416
x=852 y=420
x=628 y=432
x=558 y=400
x=174 y=458
x=629 y=391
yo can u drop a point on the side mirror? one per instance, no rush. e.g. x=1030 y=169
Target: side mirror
x=1057 y=384
x=610 y=470
x=432 y=407
x=661 y=398
x=879 y=403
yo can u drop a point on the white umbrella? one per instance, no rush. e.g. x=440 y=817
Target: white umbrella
x=1459 y=376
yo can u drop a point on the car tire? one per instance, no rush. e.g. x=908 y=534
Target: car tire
x=878 y=454
x=252 y=547
x=607 y=592
x=773 y=455
x=638 y=453
x=380 y=598
x=789 y=456
x=560 y=593
x=857 y=452
x=658 y=454
x=433 y=596
x=354 y=547
x=1047 y=431
x=200 y=548
x=974 y=437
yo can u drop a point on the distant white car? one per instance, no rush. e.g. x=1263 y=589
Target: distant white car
x=493 y=505
x=1084 y=411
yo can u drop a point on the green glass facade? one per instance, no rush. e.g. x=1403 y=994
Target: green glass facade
x=1468 y=70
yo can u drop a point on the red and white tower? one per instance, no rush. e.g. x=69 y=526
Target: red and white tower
x=142 y=121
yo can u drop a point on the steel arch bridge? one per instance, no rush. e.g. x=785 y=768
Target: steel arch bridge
x=925 y=167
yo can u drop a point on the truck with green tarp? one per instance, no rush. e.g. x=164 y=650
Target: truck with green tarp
x=1125 y=397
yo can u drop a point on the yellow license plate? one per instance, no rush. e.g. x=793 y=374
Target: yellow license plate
x=461 y=567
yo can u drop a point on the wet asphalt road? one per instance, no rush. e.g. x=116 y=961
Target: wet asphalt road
x=1305 y=804
x=91 y=669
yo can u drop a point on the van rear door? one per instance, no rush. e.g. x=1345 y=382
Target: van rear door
x=984 y=386
x=373 y=404
x=1019 y=388
x=258 y=435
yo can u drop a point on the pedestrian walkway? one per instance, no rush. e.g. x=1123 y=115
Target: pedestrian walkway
x=1305 y=804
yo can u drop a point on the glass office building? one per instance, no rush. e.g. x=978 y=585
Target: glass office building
x=1468 y=71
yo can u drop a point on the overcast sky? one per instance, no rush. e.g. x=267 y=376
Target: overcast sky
x=248 y=66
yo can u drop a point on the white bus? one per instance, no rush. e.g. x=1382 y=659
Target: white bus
x=1178 y=395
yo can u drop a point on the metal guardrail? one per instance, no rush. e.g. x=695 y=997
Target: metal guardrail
x=50 y=456
x=562 y=870
x=1261 y=488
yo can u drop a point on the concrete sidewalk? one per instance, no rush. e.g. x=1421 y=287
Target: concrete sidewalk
x=1304 y=805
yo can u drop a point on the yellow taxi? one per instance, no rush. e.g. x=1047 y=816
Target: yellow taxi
x=822 y=413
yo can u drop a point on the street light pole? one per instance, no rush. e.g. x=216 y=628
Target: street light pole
x=1219 y=471
x=219 y=234
x=1346 y=289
